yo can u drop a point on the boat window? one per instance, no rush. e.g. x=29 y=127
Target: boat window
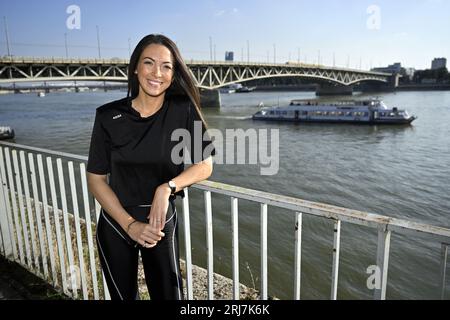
x=271 y=112
x=304 y=113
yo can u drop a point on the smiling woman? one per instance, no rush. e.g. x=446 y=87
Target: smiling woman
x=131 y=143
x=155 y=75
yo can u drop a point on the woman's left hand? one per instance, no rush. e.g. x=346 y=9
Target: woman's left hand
x=160 y=204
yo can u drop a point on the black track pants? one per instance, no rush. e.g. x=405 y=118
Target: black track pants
x=119 y=258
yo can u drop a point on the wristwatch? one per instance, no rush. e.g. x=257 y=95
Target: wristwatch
x=172 y=186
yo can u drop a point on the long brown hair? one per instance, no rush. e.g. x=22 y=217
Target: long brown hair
x=183 y=83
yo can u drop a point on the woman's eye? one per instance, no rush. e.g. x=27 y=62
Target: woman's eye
x=168 y=67
x=148 y=62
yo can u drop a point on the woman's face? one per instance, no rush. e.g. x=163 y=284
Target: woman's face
x=155 y=70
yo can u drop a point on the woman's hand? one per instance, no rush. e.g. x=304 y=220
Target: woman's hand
x=145 y=234
x=160 y=204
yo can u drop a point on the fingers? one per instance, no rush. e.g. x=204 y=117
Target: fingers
x=158 y=211
x=150 y=236
x=146 y=235
x=157 y=218
x=148 y=245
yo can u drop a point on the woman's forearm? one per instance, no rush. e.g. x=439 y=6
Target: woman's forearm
x=195 y=173
x=108 y=199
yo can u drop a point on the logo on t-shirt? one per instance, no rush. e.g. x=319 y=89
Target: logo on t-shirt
x=117 y=117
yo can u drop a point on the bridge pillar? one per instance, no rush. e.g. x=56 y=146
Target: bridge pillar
x=394 y=80
x=372 y=86
x=332 y=89
x=210 y=98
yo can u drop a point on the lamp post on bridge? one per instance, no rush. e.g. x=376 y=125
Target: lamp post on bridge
x=274 y=53
x=65 y=44
x=98 y=43
x=7 y=36
x=210 y=49
x=248 y=51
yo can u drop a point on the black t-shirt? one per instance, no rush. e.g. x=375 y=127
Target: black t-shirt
x=136 y=152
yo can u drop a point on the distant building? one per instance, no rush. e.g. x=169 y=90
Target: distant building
x=438 y=63
x=408 y=72
x=393 y=68
x=229 y=56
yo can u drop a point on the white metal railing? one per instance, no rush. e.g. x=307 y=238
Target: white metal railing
x=58 y=244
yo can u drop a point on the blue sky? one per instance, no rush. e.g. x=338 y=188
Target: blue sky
x=410 y=31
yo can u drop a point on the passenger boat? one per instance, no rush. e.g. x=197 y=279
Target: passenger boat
x=372 y=111
x=6 y=133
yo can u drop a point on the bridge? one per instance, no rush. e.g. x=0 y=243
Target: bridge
x=207 y=74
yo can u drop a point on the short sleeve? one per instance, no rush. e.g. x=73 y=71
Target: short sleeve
x=99 y=151
x=201 y=146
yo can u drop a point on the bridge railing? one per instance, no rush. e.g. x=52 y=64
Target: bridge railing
x=48 y=60
x=190 y=62
x=48 y=218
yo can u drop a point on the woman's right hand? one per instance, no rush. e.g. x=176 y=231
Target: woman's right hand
x=144 y=234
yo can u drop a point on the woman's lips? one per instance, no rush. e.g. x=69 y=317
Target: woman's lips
x=154 y=82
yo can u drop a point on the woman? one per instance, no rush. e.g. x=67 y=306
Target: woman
x=131 y=142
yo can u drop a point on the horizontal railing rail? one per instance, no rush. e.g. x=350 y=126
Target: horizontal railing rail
x=48 y=218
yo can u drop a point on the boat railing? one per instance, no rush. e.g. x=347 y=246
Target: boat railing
x=48 y=218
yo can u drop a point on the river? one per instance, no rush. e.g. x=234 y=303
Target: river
x=396 y=171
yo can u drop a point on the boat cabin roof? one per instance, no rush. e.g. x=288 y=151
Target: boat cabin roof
x=305 y=102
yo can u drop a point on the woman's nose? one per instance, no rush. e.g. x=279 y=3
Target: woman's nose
x=157 y=70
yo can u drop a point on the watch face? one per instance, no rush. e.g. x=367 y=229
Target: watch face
x=172 y=186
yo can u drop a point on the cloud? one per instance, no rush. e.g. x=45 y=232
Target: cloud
x=219 y=13
x=222 y=13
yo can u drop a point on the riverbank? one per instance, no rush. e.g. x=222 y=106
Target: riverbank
x=17 y=283
x=423 y=87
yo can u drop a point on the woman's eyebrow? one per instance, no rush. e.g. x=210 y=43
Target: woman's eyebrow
x=155 y=60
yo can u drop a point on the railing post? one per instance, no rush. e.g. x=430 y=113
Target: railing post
x=298 y=254
x=187 y=241
x=79 y=242
x=336 y=251
x=209 y=244
x=48 y=227
x=444 y=255
x=90 y=238
x=5 y=214
x=37 y=209
x=263 y=293
x=72 y=285
x=12 y=192
x=384 y=242
x=29 y=210
x=235 y=247
x=57 y=223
